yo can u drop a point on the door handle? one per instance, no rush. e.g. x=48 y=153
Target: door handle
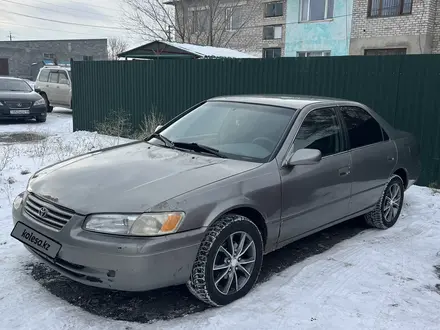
x=390 y=158
x=344 y=171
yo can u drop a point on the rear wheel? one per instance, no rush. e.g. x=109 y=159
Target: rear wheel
x=388 y=208
x=228 y=262
x=48 y=106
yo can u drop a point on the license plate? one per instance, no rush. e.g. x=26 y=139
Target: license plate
x=19 y=112
x=36 y=240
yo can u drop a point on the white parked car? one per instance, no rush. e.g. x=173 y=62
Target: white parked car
x=54 y=84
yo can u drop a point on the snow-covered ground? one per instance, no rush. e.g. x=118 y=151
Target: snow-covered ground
x=374 y=280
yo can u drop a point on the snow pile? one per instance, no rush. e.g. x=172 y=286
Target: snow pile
x=375 y=280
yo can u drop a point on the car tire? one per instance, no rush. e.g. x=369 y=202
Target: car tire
x=41 y=119
x=389 y=206
x=48 y=106
x=236 y=274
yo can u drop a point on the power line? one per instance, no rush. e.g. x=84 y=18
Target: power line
x=47 y=29
x=54 y=10
x=96 y=6
x=67 y=23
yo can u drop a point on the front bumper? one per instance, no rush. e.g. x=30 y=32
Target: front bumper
x=115 y=262
x=39 y=110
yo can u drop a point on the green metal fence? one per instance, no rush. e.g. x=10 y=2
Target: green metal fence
x=405 y=90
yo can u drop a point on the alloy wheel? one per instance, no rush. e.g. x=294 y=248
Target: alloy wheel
x=393 y=199
x=234 y=263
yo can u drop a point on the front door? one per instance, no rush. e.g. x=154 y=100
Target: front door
x=316 y=195
x=51 y=87
x=63 y=89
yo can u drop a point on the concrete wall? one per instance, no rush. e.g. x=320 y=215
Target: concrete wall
x=249 y=39
x=332 y=34
x=414 y=31
x=21 y=54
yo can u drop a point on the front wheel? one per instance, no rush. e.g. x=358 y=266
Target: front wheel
x=48 y=106
x=388 y=208
x=228 y=262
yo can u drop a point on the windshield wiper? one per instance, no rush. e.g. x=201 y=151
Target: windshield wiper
x=199 y=147
x=168 y=143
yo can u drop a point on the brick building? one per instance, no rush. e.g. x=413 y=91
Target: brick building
x=395 y=27
x=18 y=57
x=256 y=27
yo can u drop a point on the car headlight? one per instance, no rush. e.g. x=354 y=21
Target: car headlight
x=1 y=104
x=40 y=102
x=146 y=224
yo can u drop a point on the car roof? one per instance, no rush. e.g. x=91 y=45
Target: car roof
x=287 y=101
x=10 y=78
x=56 y=67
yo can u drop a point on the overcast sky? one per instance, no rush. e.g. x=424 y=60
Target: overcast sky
x=15 y=18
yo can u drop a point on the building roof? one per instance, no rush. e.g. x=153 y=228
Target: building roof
x=167 y=49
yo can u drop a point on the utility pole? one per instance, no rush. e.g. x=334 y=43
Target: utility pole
x=169 y=33
x=10 y=36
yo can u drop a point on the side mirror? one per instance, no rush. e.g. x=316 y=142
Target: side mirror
x=158 y=128
x=37 y=90
x=305 y=157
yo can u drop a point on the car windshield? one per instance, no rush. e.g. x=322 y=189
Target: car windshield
x=14 y=85
x=236 y=130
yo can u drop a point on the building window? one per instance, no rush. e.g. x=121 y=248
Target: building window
x=271 y=32
x=273 y=9
x=234 y=19
x=87 y=58
x=200 y=21
x=313 y=53
x=385 y=51
x=271 y=52
x=48 y=55
x=316 y=10
x=384 y=8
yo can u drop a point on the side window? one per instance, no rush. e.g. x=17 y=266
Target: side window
x=320 y=130
x=385 y=135
x=53 y=77
x=63 y=78
x=362 y=128
x=44 y=75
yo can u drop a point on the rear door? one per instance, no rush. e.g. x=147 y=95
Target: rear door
x=316 y=195
x=373 y=156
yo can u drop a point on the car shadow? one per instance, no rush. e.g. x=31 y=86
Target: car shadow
x=174 y=302
x=16 y=121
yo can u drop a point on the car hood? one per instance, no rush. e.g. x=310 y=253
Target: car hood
x=19 y=96
x=130 y=178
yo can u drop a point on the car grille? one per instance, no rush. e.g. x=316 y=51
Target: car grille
x=46 y=212
x=14 y=105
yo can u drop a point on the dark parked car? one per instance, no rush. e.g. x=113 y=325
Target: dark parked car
x=209 y=193
x=18 y=100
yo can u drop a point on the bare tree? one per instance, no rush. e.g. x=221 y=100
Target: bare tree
x=116 y=46
x=203 y=22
